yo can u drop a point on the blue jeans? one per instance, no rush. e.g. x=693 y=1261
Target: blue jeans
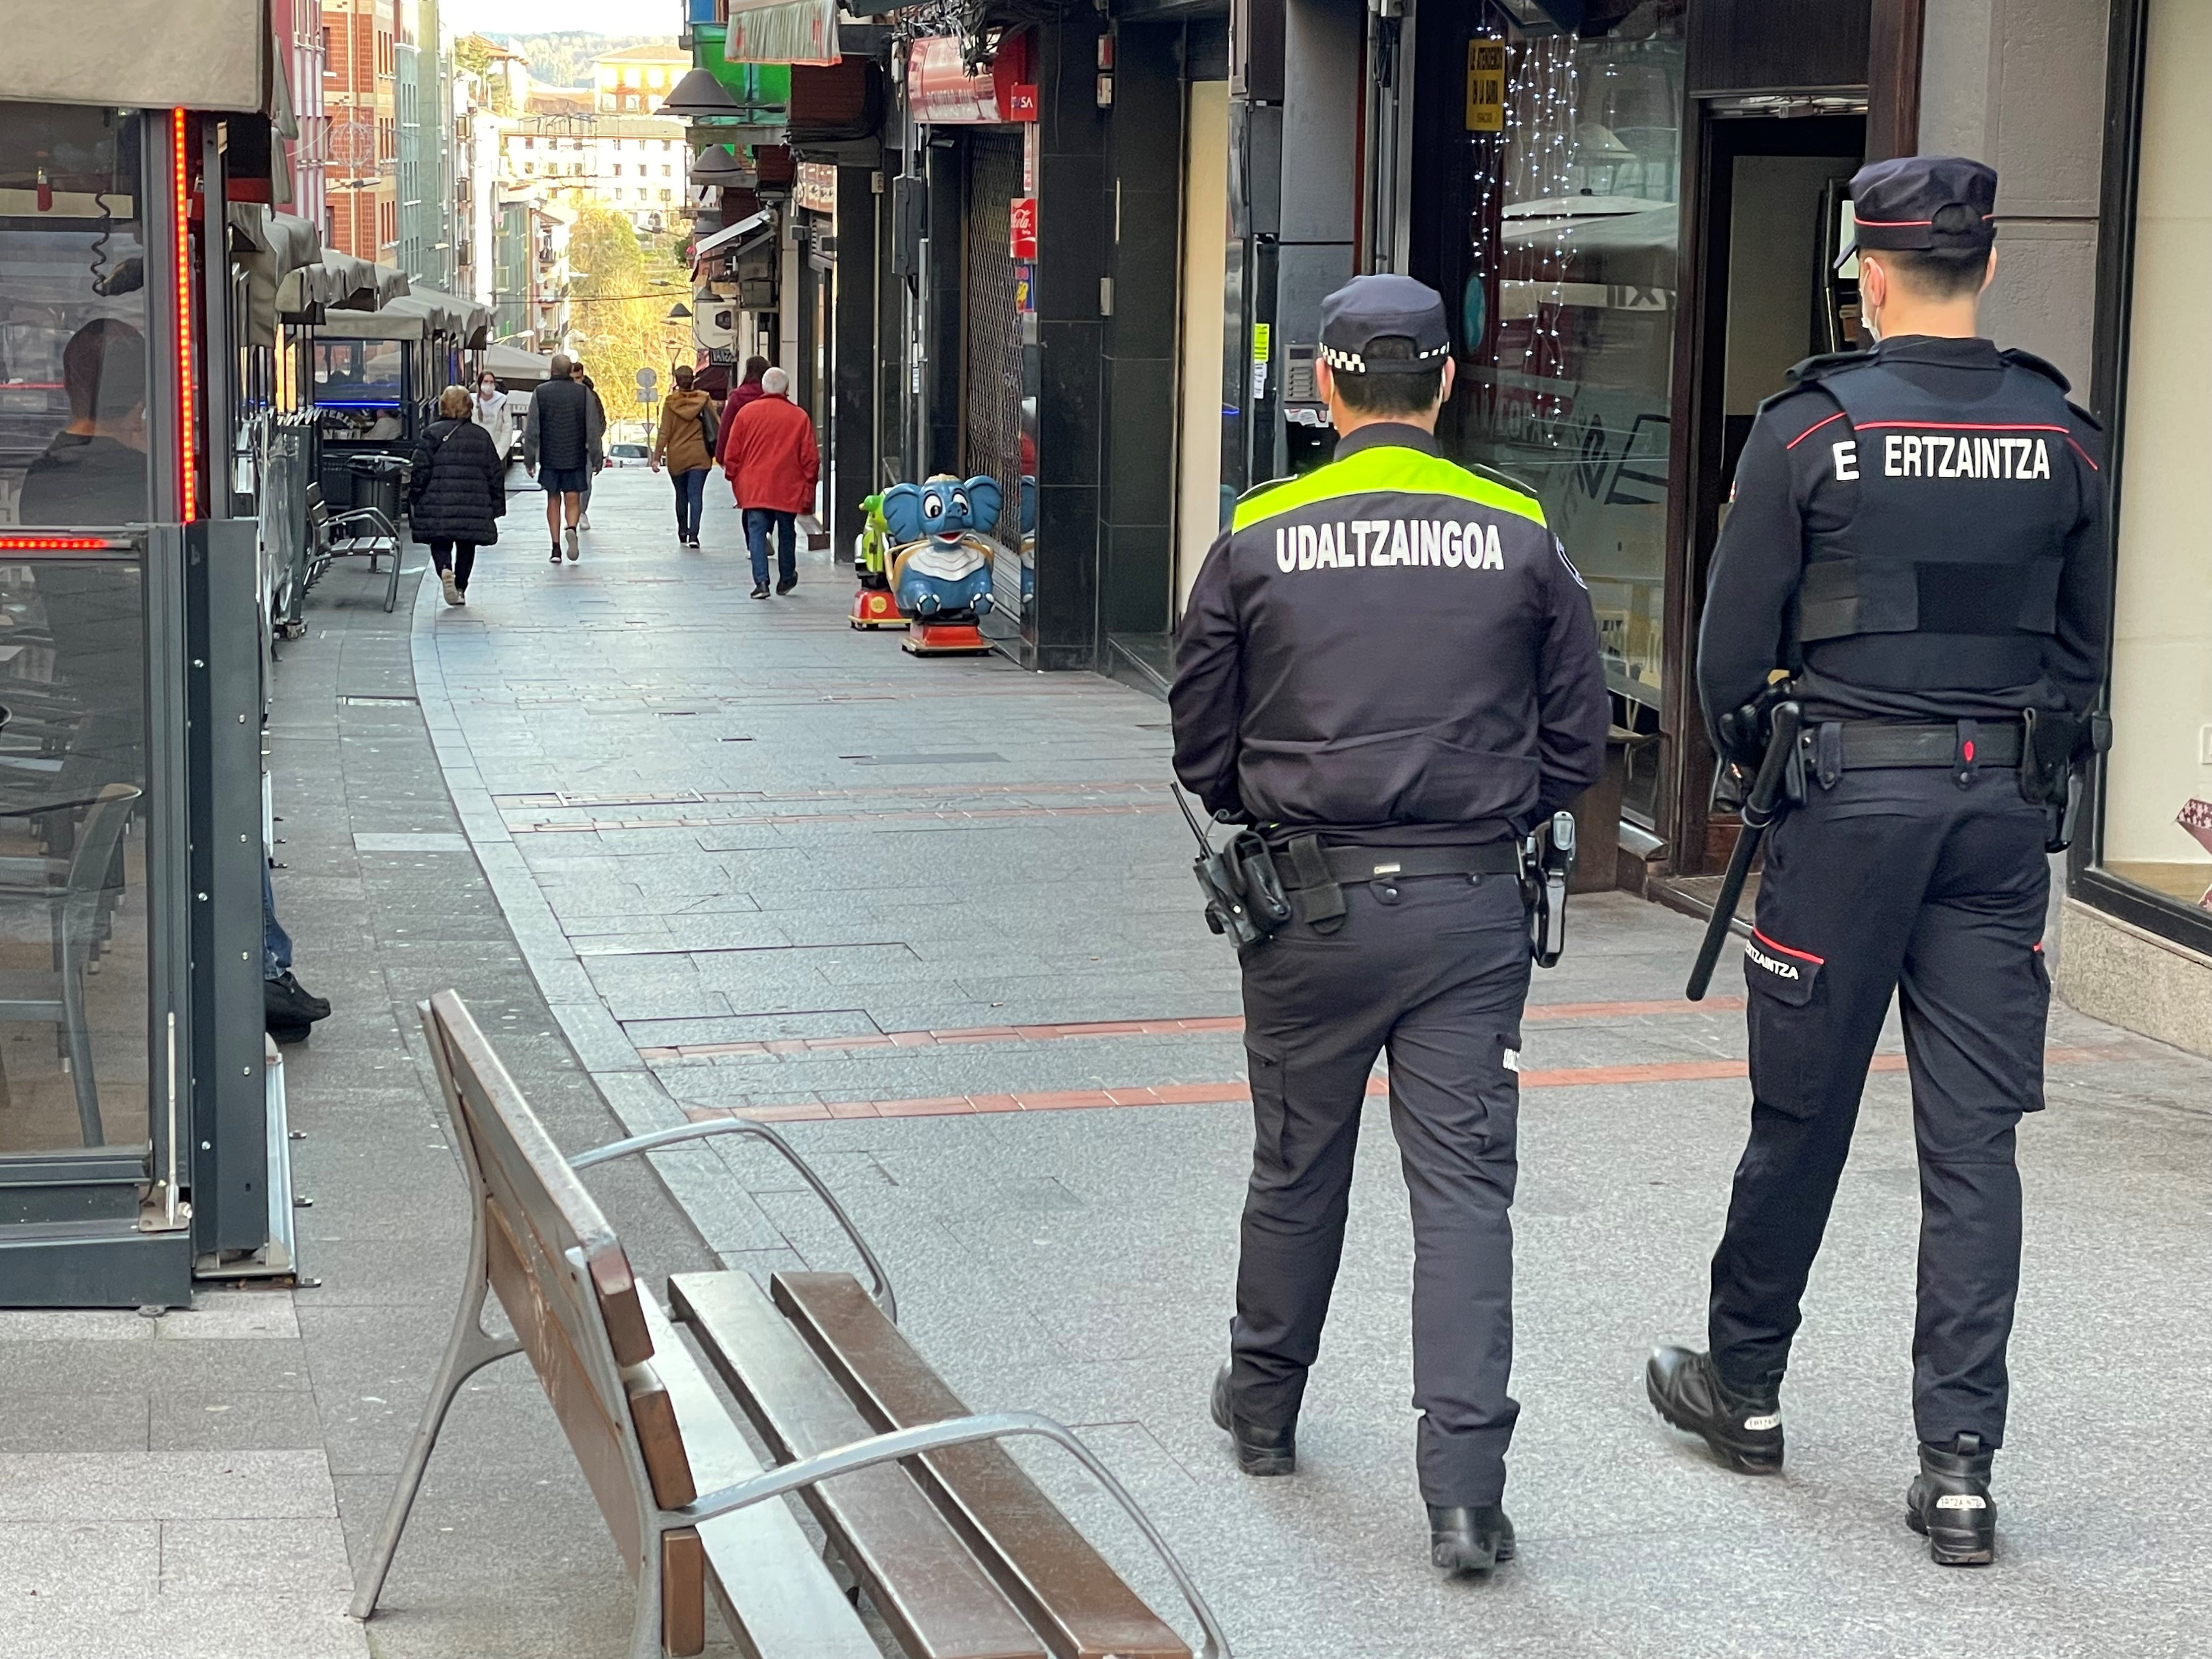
x=276 y=943
x=759 y=520
x=690 y=496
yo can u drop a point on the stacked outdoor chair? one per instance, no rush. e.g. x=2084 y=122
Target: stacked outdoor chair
x=958 y=1553
x=77 y=893
x=355 y=532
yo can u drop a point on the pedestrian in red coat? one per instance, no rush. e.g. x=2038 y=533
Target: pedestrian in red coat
x=774 y=465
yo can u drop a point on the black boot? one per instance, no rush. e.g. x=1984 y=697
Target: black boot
x=290 y=1010
x=1949 y=1504
x=297 y=1002
x=1259 y=1451
x=1744 y=1430
x=1472 y=1540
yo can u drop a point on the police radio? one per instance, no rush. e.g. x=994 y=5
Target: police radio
x=1545 y=863
x=1244 y=897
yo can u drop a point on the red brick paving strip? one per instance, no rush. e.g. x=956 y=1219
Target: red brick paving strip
x=1222 y=1094
x=1539 y=1012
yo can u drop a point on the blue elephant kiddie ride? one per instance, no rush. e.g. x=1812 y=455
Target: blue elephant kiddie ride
x=941 y=560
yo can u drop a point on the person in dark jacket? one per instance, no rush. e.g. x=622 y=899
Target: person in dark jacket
x=748 y=390
x=562 y=436
x=1390 y=667
x=458 y=492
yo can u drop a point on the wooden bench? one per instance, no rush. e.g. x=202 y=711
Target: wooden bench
x=340 y=536
x=961 y=1556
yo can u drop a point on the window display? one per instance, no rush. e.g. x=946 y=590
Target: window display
x=2157 y=818
x=1565 y=286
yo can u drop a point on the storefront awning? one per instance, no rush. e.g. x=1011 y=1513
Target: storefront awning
x=414 y=316
x=721 y=239
x=270 y=247
x=781 y=31
x=514 y=365
x=141 y=54
x=336 y=282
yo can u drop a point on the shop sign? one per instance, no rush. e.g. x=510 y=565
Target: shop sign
x=943 y=91
x=1022 y=239
x=1486 y=86
x=816 y=188
x=781 y=31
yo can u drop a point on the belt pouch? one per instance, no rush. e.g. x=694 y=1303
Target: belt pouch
x=1321 y=901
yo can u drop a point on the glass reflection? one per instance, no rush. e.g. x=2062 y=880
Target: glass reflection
x=73 y=320
x=1566 y=301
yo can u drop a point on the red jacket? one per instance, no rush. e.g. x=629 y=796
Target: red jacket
x=772 y=458
x=747 y=392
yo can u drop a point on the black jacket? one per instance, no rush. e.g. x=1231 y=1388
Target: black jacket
x=564 y=427
x=1970 y=458
x=458 y=488
x=1393 y=649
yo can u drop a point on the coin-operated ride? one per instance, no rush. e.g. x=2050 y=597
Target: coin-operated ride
x=872 y=604
x=940 y=562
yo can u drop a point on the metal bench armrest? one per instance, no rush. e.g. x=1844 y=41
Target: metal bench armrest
x=936 y=1437
x=885 y=1297
x=374 y=514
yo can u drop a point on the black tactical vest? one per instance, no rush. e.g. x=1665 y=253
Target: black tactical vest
x=1947 y=574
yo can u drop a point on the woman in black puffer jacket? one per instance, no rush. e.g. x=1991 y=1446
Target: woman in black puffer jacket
x=458 y=493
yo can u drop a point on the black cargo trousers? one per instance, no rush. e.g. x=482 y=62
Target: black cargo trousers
x=1895 y=879
x=1434 y=969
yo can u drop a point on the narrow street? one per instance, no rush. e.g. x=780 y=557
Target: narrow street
x=935 y=919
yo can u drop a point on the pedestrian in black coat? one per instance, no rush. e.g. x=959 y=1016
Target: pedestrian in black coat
x=458 y=493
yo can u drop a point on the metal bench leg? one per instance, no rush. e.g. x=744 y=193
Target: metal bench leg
x=391 y=593
x=467 y=1351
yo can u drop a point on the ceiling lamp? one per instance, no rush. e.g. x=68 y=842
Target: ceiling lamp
x=716 y=166
x=699 y=96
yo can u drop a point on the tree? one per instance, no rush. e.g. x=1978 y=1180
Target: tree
x=622 y=290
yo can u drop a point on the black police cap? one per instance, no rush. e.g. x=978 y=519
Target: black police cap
x=1371 y=308
x=1925 y=204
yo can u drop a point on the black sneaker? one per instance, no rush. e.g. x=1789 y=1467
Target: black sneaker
x=760 y=590
x=557 y=553
x=786 y=584
x=1469 y=1540
x=1949 y=1504
x=1744 y=1430
x=1259 y=1451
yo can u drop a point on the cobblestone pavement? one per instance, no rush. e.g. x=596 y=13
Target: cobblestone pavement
x=936 y=915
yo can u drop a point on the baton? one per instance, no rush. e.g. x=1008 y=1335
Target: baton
x=1760 y=811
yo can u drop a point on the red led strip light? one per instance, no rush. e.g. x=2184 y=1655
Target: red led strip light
x=54 y=544
x=188 y=458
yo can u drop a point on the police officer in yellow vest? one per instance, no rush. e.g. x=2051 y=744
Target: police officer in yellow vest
x=1390 y=667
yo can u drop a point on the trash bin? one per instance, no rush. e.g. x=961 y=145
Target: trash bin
x=377 y=482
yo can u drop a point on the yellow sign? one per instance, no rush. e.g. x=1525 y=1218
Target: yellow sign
x=1261 y=339
x=1486 y=86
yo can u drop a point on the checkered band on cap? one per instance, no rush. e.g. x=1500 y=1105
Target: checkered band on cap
x=1351 y=363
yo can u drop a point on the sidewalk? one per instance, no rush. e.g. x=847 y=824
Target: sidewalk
x=937 y=918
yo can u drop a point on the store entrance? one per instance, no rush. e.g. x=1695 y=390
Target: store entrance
x=1763 y=292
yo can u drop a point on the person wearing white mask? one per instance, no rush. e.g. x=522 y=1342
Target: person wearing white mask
x=488 y=409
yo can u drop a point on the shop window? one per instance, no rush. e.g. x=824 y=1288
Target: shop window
x=1562 y=290
x=2156 y=832
x=75 y=370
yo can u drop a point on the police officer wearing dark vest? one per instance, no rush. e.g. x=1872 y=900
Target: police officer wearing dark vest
x=1917 y=539
x=1390 y=667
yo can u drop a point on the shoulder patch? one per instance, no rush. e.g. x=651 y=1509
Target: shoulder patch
x=1796 y=411
x=1815 y=369
x=2029 y=360
x=2084 y=416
